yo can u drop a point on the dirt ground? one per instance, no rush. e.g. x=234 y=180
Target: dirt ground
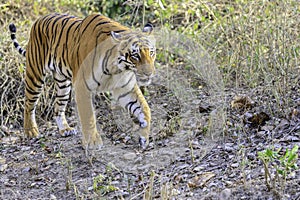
x=183 y=161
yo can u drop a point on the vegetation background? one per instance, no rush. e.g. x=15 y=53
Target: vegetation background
x=251 y=81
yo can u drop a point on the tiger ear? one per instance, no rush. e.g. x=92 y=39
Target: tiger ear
x=148 y=28
x=115 y=36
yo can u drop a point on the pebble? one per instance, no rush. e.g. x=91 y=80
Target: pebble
x=228 y=183
x=129 y=156
x=52 y=197
x=199 y=168
x=225 y=194
x=234 y=165
x=3 y=167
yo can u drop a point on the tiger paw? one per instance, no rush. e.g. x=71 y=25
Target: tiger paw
x=32 y=132
x=93 y=143
x=144 y=137
x=68 y=132
x=143 y=124
x=143 y=142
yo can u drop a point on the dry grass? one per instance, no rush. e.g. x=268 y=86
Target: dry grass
x=255 y=44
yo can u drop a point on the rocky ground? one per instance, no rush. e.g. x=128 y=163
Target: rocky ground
x=184 y=160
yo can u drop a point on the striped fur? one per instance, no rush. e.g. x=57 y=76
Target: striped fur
x=92 y=54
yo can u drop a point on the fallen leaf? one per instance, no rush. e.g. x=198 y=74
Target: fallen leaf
x=294 y=115
x=256 y=119
x=205 y=108
x=241 y=102
x=9 y=140
x=200 y=180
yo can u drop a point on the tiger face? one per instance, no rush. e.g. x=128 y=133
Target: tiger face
x=137 y=53
x=143 y=59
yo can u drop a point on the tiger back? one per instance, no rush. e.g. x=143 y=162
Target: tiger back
x=94 y=54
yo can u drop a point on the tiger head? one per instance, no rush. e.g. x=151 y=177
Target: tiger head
x=137 y=52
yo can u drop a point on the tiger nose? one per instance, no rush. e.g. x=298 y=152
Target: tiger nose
x=148 y=73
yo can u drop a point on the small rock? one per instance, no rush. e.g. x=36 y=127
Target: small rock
x=199 y=168
x=2 y=160
x=52 y=197
x=235 y=165
x=229 y=147
x=129 y=156
x=228 y=183
x=175 y=192
x=225 y=194
x=3 y=167
x=26 y=169
x=9 y=139
x=25 y=148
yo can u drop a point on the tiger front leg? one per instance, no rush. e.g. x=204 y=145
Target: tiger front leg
x=30 y=126
x=91 y=139
x=137 y=105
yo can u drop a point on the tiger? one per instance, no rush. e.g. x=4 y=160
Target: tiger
x=92 y=55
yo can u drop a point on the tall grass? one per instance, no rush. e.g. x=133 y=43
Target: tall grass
x=255 y=44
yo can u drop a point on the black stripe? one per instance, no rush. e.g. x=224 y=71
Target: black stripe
x=36 y=80
x=47 y=22
x=130 y=104
x=13 y=36
x=33 y=100
x=125 y=94
x=94 y=78
x=93 y=66
x=69 y=73
x=30 y=91
x=33 y=88
x=105 y=60
x=67 y=36
x=64 y=86
x=33 y=55
x=61 y=103
x=38 y=62
x=60 y=67
x=77 y=27
x=64 y=23
x=89 y=23
x=12 y=28
x=101 y=23
x=49 y=61
x=87 y=86
x=138 y=107
x=71 y=25
x=39 y=33
x=120 y=31
x=20 y=51
x=127 y=81
x=33 y=82
x=62 y=96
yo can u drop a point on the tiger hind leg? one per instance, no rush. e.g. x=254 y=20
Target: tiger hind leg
x=33 y=88
x=63 y=89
